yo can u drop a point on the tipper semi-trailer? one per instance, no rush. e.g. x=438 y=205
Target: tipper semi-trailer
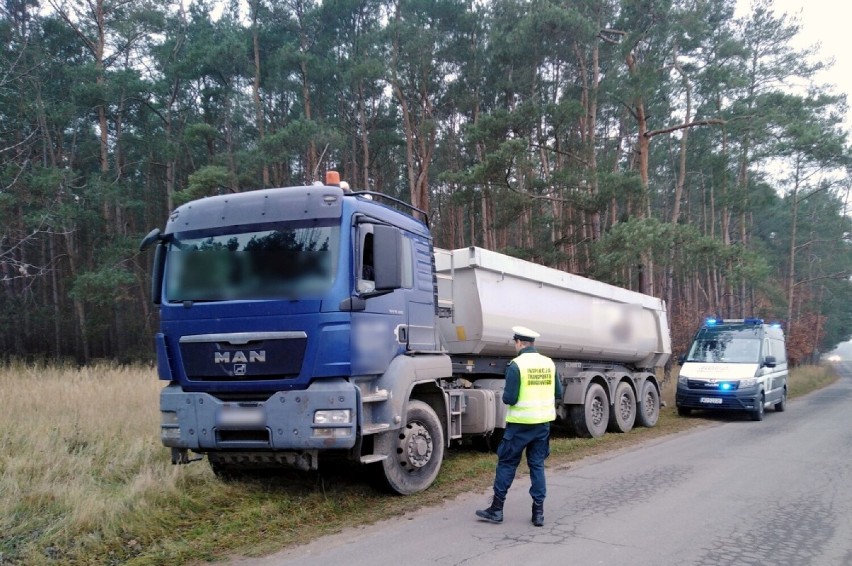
x=310 y=323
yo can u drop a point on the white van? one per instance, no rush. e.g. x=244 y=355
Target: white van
x=734 y=364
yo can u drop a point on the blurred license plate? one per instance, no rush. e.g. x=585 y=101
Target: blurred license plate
x=237 y=415
x=711 y=400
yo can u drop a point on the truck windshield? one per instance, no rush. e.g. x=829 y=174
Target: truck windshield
x=282 y=261
x=732 y=346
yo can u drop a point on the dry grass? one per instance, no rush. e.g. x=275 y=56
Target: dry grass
x=809 y=378
x=79 y=457
x=84 y=479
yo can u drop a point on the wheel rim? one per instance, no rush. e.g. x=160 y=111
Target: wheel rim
x=416 y=445
x=649 y=404
x=597 y=411
x=625 y=406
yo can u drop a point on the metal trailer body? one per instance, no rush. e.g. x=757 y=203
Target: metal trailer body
x=607 y=341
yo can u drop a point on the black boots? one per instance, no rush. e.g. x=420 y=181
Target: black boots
x=493 y=514
x=537 y=514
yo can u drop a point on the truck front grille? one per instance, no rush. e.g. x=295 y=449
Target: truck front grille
x=258 y=356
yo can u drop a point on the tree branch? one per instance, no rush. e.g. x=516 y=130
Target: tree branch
x=838 y=275
x=706 y=122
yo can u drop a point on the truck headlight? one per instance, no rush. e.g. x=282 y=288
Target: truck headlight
x=339 y=432
x=333 y=416
x=748 y=382
x=682 y=380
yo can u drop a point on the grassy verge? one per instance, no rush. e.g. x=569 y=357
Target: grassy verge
x=84 y=480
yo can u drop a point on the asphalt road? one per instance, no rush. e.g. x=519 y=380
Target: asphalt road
x=736 y=492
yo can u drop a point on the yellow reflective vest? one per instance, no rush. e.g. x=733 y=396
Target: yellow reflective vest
x=536 y=399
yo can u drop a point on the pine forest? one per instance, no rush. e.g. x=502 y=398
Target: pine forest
x=675 y=147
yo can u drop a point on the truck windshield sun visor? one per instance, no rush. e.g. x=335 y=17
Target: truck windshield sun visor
x=282 y=261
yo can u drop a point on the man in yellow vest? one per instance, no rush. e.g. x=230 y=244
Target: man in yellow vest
x=532 y=387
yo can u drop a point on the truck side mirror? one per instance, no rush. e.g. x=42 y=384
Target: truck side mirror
x=681 y=359
x=387 y=257
x=153 y=236
x=770 y=361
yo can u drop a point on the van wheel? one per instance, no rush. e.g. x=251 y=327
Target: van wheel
x=781 y=405
x=623 y=413
x=414 y=451
x=758 y=412
x=648 y=405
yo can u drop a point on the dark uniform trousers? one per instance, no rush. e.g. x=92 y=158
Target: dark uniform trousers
x=535 y=438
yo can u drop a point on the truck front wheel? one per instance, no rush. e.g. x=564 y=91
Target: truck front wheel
x=414 y=452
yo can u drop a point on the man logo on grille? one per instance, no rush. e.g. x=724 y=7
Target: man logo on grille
x=239 y=357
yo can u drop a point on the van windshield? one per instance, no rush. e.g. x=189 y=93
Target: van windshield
x=729 y=346
x=267 y=262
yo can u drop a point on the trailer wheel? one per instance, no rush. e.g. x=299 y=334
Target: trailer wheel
x=414 y=451
x=648 y=406
x=591 y=420
x=623 y=413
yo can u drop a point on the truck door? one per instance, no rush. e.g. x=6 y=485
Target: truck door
x=376 y=338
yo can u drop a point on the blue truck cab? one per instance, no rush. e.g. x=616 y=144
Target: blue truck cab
x=734 y=364
x=296 y=322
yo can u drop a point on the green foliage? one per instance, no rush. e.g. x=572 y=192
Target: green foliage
x=207 y=181
x=200 y=132
x=521 y=115
x=102 y=287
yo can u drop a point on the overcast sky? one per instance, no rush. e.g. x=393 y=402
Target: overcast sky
x=825 y=22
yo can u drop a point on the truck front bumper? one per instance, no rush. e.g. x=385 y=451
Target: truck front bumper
x=323 y=416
